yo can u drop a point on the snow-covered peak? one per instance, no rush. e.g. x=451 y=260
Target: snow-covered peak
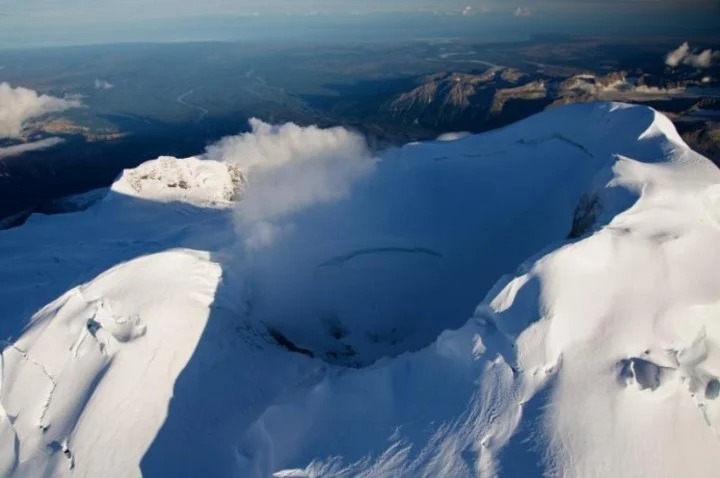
x=191 y=180
x=623 y=323
x=381 y=330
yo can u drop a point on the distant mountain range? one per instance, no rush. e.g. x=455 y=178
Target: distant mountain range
x=499 y=96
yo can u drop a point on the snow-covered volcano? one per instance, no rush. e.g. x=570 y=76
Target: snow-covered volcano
x=290 y=305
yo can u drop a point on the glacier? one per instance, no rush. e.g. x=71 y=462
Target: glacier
x=540 y=300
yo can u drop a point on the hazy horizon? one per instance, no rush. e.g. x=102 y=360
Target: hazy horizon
x=30 y=28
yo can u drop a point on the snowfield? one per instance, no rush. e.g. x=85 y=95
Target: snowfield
x=289 y=304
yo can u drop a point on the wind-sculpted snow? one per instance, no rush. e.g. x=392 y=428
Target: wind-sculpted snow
x=102 y=357
x=349 y=340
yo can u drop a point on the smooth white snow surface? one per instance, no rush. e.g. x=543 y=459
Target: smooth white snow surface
x=358 y=338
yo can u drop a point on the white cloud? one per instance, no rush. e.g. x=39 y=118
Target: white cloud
x=675 y=57
x=17 y=105
x=103 y=84
x=523 y=12
x=470 y=10
x=685 y=55
x=290 y=168
x=452 y=136
x=17 y=149
x=704 y=59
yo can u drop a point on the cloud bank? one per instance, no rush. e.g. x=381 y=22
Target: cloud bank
x=290 y=168
x=18 y=149
x=685 y=55
x=18 y=105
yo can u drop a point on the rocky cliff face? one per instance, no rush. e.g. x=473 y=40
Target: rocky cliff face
x=498 y=96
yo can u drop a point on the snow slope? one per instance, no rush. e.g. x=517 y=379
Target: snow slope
x=147 y=337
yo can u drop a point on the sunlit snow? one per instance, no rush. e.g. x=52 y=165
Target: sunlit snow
x=541 y=299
